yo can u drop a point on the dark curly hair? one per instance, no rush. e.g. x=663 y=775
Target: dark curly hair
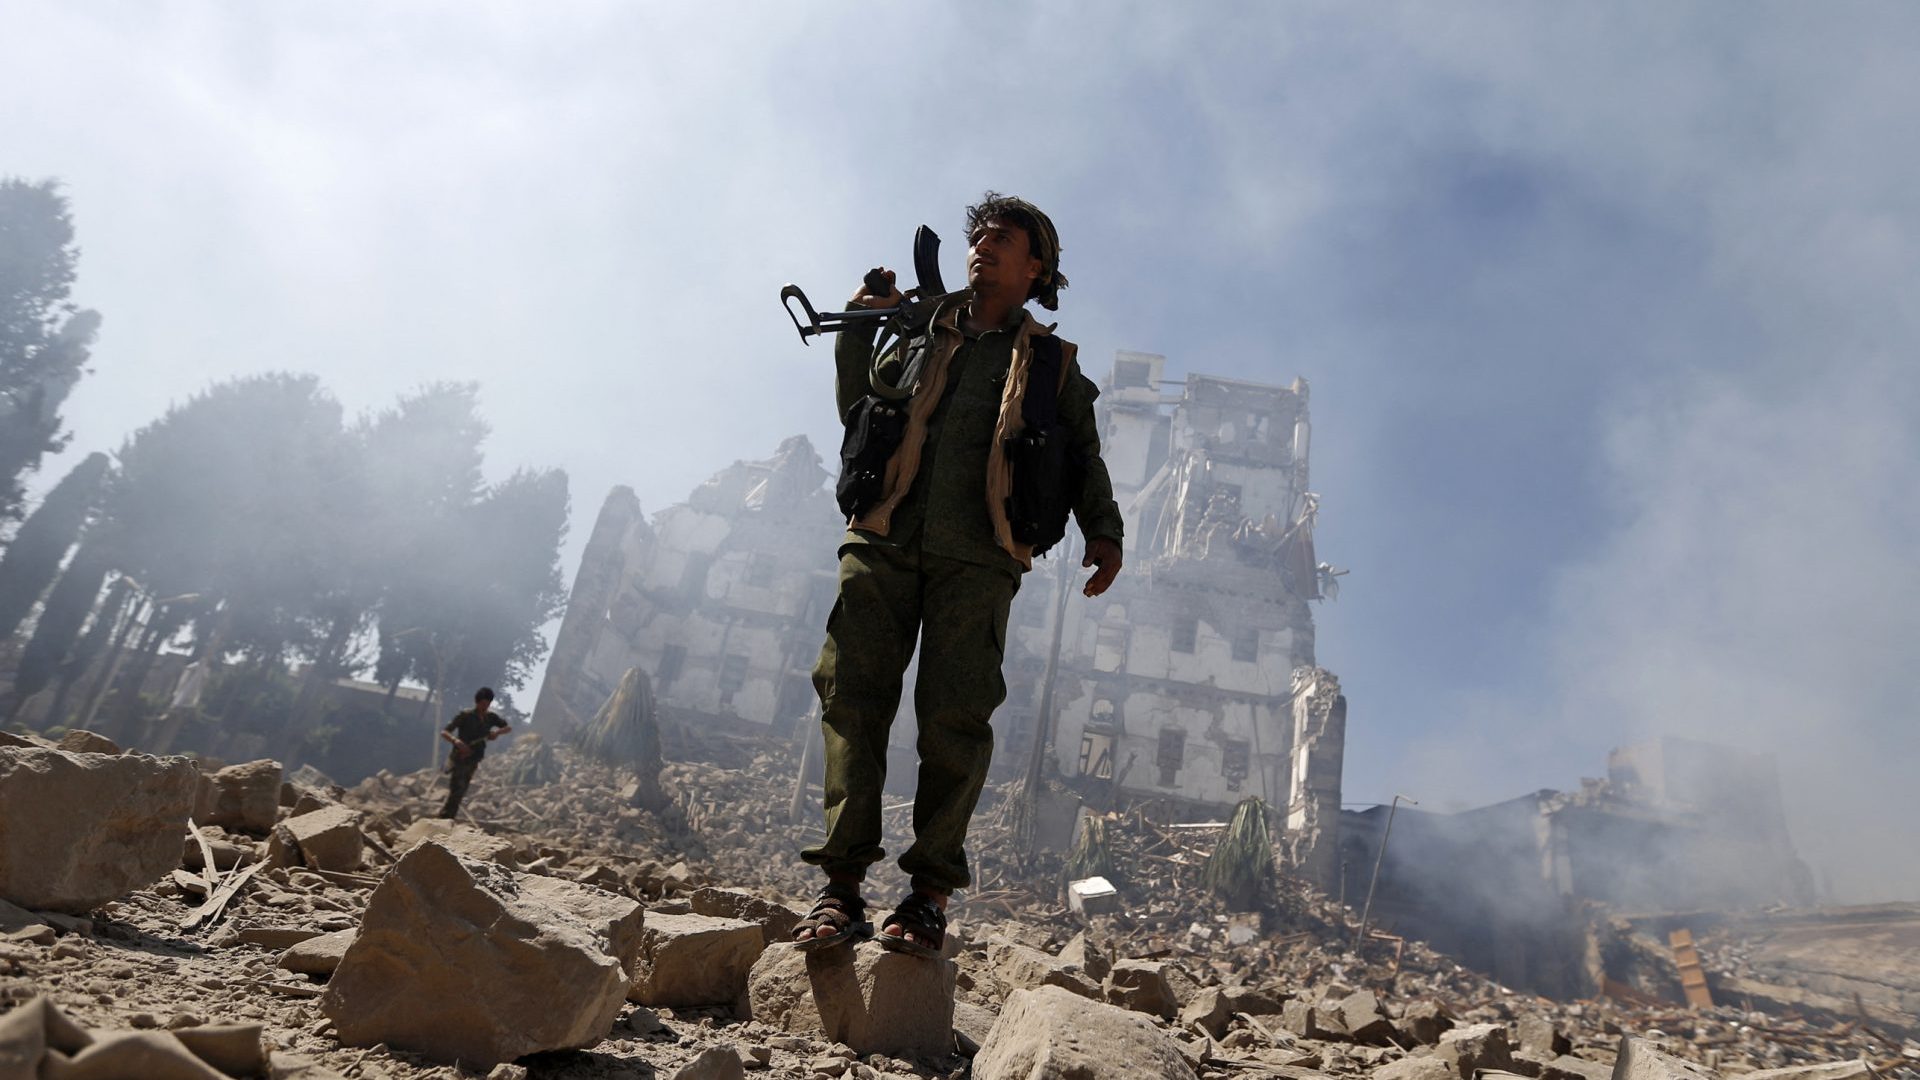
x=1043 y=242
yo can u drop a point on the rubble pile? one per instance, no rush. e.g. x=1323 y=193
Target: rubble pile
x=558 y=930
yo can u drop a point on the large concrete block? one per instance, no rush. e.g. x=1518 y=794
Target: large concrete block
x=1141 y=985
x=875 y=1001
x=457 y=958
x=688 y=960
x=326 y=839
x=1051 y=1034
x=78 y=830
x=244 y=798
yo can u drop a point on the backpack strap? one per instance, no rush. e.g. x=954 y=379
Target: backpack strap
x=1046 y=377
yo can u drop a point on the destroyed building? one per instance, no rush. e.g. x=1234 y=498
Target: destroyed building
x=1521 y=889
x=1193 y=681
x=719 y=600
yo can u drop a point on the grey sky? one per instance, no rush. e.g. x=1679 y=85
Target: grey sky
x=1607 y=308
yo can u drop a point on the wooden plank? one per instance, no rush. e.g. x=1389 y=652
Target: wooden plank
x=217 y=903
x=208 y=870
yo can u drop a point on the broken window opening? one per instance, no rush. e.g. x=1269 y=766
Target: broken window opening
x=1110 y=648
x=1172 y=755
x=760 y=568
x=1246 y=646
x=733 y=673
x=672 y=659
x=1236 y=761
x=1186 y=634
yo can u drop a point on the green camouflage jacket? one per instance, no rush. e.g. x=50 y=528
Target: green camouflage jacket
x=946 y=486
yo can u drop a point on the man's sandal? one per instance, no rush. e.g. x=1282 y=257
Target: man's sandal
x=841 y=909
x=921 y=917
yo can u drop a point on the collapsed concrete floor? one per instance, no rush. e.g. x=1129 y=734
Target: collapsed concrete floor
x=1172 y=984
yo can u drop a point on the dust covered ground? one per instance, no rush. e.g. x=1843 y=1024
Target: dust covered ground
x=1278 y=992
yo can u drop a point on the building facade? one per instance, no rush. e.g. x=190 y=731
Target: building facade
x=1192 y=682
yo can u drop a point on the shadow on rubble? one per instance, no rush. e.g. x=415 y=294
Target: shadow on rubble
x=560 y=1064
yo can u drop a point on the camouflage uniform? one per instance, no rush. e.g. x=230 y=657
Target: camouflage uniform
x=933 y=560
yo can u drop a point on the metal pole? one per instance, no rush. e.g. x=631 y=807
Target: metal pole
x=1366 y=910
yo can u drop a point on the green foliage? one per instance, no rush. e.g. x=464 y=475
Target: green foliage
x=626 y=730
x=1092 y=854
x=33 y=558
x=44 y=339
x=1240 y=870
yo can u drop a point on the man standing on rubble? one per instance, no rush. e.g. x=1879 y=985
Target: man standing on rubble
x=469 y=731
x=936 y=560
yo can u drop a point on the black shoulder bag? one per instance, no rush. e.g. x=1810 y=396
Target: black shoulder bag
x=1047 y=472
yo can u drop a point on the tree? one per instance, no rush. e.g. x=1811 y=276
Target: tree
x=33 y=558
x=247 y=496
x=44 y=338
x=483 y=584
x=61 y=618
x=419 y=465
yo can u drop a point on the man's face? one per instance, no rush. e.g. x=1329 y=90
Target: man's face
x=482 y=705
x=1000 y=257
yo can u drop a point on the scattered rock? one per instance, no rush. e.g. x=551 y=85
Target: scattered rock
x=1050 y=1034
x=1422 y=1066
x=1302 y=1018
x=1475 y=1047
x=1639 y=1059
x=244 y=798
x=1363 y=1019
x=317 y=956
x=1423 y=1022
x=1017 y=966
x=1082 y=954
x=86 y=742
x=1539 y=1038
x=687 y=960
x=875 y=1001
x=1141 y=985
x=78 y=830
x=459 y=838
x=1210 y=1011
x=776 y=920
x=1859 y=1069
x=460 y=959
x=326 y=839
x=714 y=1063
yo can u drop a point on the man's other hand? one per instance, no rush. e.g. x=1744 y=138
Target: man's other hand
x=869 y=298
x=1105 y=554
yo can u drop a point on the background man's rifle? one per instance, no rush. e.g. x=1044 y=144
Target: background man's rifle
x=900 y=323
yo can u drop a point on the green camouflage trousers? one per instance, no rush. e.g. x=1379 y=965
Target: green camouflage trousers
x=889 y=598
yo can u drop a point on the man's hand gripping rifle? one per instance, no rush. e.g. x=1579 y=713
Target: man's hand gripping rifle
x=902 y=321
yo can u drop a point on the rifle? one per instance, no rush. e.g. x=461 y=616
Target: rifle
x=899 y=323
